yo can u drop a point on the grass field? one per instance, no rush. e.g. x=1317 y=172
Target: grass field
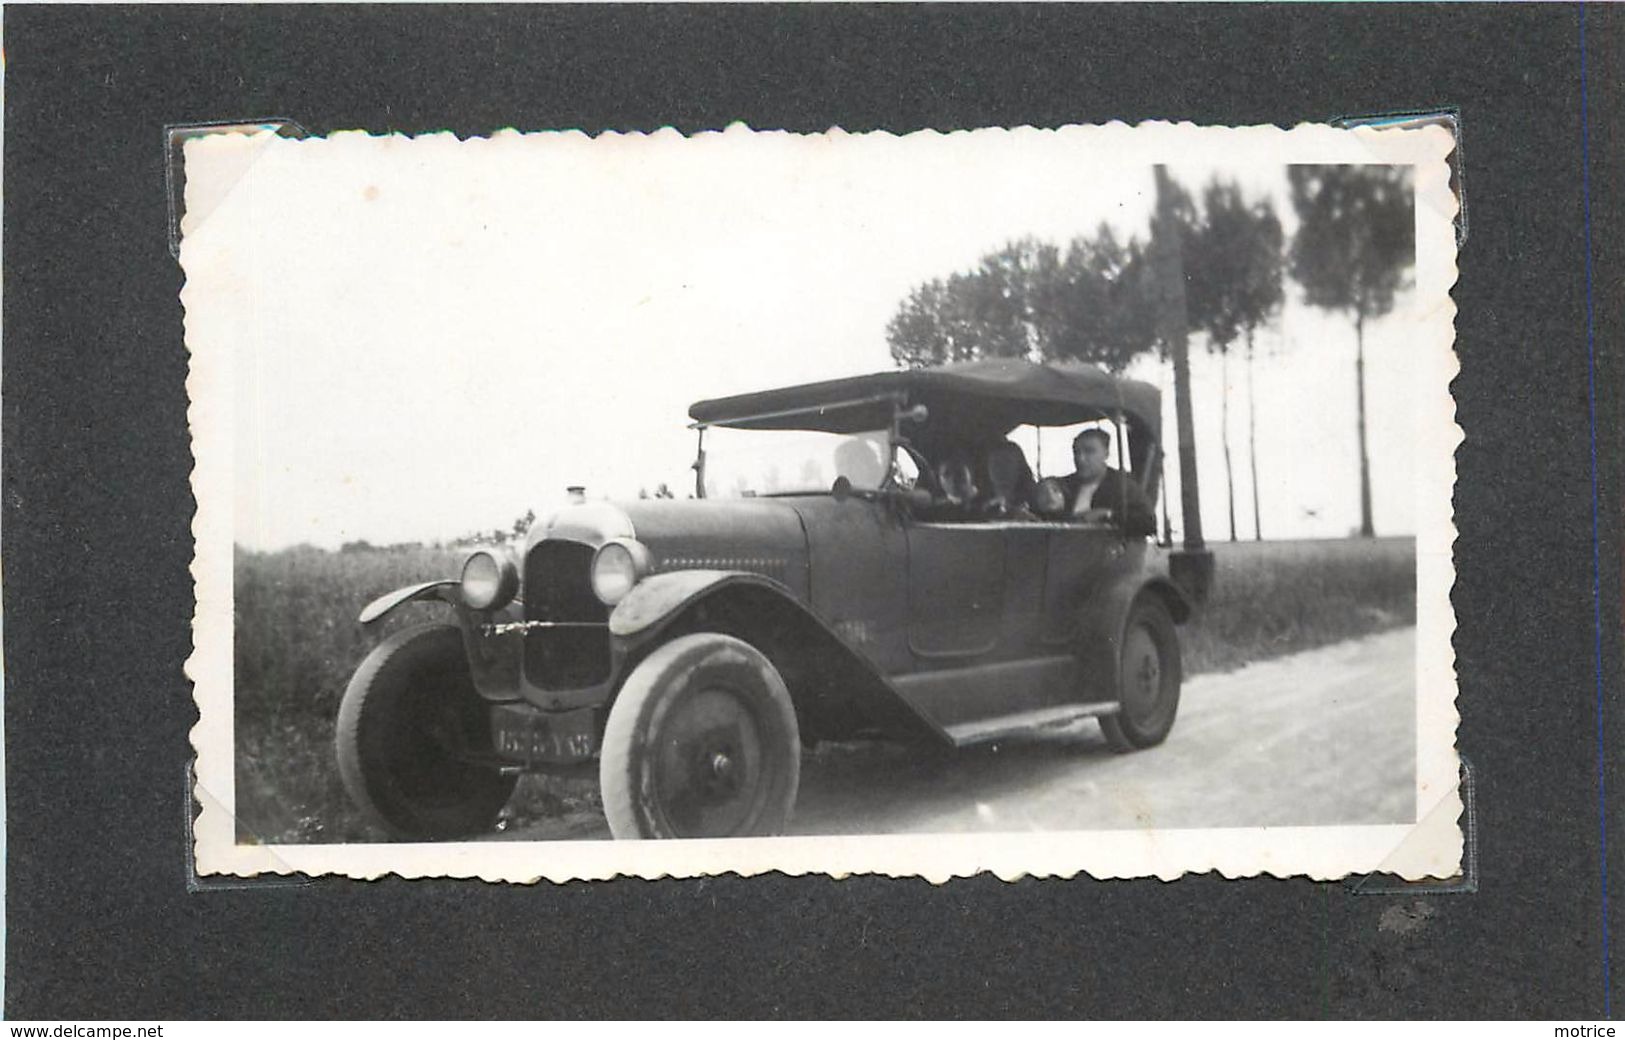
x=297 y=642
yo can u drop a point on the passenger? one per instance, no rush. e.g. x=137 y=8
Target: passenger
x=1009 y=483
x=1096 y=492
x=957 y=484
x=1049 y=500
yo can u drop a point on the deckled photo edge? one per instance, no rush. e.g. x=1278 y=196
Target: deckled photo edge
x=1279 y=852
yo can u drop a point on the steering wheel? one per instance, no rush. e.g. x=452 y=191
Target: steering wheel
x=927 y=478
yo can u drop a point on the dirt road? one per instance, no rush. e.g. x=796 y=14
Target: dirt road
x=1318 y=737
x=1325 y=736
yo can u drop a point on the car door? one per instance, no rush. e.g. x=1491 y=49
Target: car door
x=1081 y=559
x=1026 y=564
x=955 y=591
x=859 y=575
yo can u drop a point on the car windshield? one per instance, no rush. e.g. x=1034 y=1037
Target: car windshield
x=745 y=463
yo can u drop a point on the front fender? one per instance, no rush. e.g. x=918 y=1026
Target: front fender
x=386 y=603
x=838 y=692
x=657 y=598
x=493 y=650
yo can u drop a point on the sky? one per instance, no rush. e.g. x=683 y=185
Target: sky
x=430 y=337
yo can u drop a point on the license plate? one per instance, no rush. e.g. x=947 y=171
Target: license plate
x=533 y=736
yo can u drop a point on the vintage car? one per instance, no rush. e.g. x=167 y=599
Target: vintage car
x=814 y=589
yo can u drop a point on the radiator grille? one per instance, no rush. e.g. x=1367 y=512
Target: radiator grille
x=558 y=587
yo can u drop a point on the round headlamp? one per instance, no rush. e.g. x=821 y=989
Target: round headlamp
x=618 y=566
x=489 y=581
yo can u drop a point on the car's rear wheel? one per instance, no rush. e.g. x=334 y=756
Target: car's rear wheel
x=1149 y=677
x=409 y=725
x=702 y=742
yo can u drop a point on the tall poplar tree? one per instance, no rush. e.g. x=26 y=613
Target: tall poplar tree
x=1355 y=249
x=1233 y=272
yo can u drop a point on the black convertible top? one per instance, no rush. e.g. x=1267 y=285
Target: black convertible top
x=972 y=398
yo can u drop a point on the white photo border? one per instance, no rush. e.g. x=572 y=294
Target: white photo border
x=1430 y=848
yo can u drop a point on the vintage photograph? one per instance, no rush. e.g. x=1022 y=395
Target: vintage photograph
x=1012 y=500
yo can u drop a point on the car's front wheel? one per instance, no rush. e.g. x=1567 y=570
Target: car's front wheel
x=410 y=730
x=1149 y=678
x=702 y=742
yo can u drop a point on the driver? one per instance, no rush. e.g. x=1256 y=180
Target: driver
x=1097 y=492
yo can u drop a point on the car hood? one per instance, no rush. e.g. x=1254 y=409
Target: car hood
x=761 y=535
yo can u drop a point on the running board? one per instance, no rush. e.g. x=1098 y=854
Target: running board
x=984 y=730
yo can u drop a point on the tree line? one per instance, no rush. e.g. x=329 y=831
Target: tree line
x=1217 y=265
